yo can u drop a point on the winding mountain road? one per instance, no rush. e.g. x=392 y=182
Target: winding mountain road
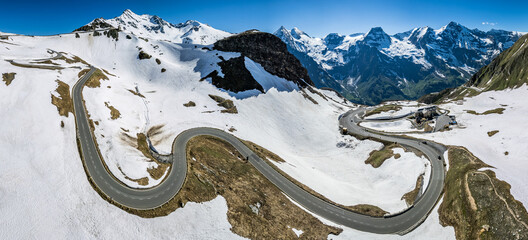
x=162 y=193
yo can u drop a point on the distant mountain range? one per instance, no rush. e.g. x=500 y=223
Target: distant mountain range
x=374 y=67
x=365 y=68
x=508 y=70
x=153 y=27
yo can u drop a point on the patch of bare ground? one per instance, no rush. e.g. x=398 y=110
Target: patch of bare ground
x=266 y=155
x=8 y=78
x=136 y=93
x=95 y=79
x=74 y=59
x=491 y=133
x=225 y=103
x=384 y=108
x=305 y=95
x=23 y=65
x=477 y=204
x=317 y=92
x=47 y=61
x=82 y=72
x=114 y=113
x=108 y=73
x=190 y=104
x=410 y=197
x=142 y=145
x=377 y=157
x=492 y=111
x=63 y=102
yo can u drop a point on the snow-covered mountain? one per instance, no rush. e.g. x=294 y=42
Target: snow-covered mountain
x=373 y=67
x=153 y=27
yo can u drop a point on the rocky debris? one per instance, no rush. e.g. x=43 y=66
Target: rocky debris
x=95 y=24
x=143 y=55
x=225 y=103
x=236 y=77
x=8 y=78
x=190 y=104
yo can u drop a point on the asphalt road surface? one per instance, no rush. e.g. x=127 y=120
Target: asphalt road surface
x=162 y=193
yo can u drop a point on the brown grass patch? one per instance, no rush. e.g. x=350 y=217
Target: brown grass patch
x=377 y=157
x=225 y=103
x=114 y=113
x=142 y=146
x=75 y=59
x=410 y=197
x=497 y=215
x=23 y=65
x=491 y=133
x=492 y=111
x=83 y=72
x=64 y=102
x=306 y=96
x=136 y=93
x=384 y=108
x=190 y=104
x=95 y=79
x=8 y=78
x=108 y=73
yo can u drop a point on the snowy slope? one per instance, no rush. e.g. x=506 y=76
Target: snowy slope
x=44 y=191
x=53 y=184
x=153 y=27
x=511 y=138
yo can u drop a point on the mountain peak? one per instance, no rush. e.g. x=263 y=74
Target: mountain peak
x=376 y=37
x=128 y=14
x=297 y=33
x=154 y=27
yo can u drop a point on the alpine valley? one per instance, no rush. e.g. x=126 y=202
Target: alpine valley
x=374 y=67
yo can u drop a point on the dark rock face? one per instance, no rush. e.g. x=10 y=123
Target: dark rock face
x=270 y=52
x=97 y=23
x=236 y=76
x=143 y=55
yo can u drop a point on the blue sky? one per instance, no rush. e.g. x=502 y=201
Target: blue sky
x=317 y=18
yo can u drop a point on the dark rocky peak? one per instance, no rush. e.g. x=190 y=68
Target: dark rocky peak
x=269 y=51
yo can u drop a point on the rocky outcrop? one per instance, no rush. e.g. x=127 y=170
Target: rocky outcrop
x=236 y=76
x=94 y=25
x=270 y=52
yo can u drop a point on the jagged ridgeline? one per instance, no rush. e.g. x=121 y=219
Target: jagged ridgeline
x=508 y=70
x=373 y=67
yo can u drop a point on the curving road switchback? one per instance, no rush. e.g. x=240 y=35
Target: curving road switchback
x=162 y=193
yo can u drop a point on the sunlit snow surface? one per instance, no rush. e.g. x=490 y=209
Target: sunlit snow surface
x=45 y=191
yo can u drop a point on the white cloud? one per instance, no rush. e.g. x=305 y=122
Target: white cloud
x=489 y=23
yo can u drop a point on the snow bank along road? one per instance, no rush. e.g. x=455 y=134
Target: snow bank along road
x=157 y=196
